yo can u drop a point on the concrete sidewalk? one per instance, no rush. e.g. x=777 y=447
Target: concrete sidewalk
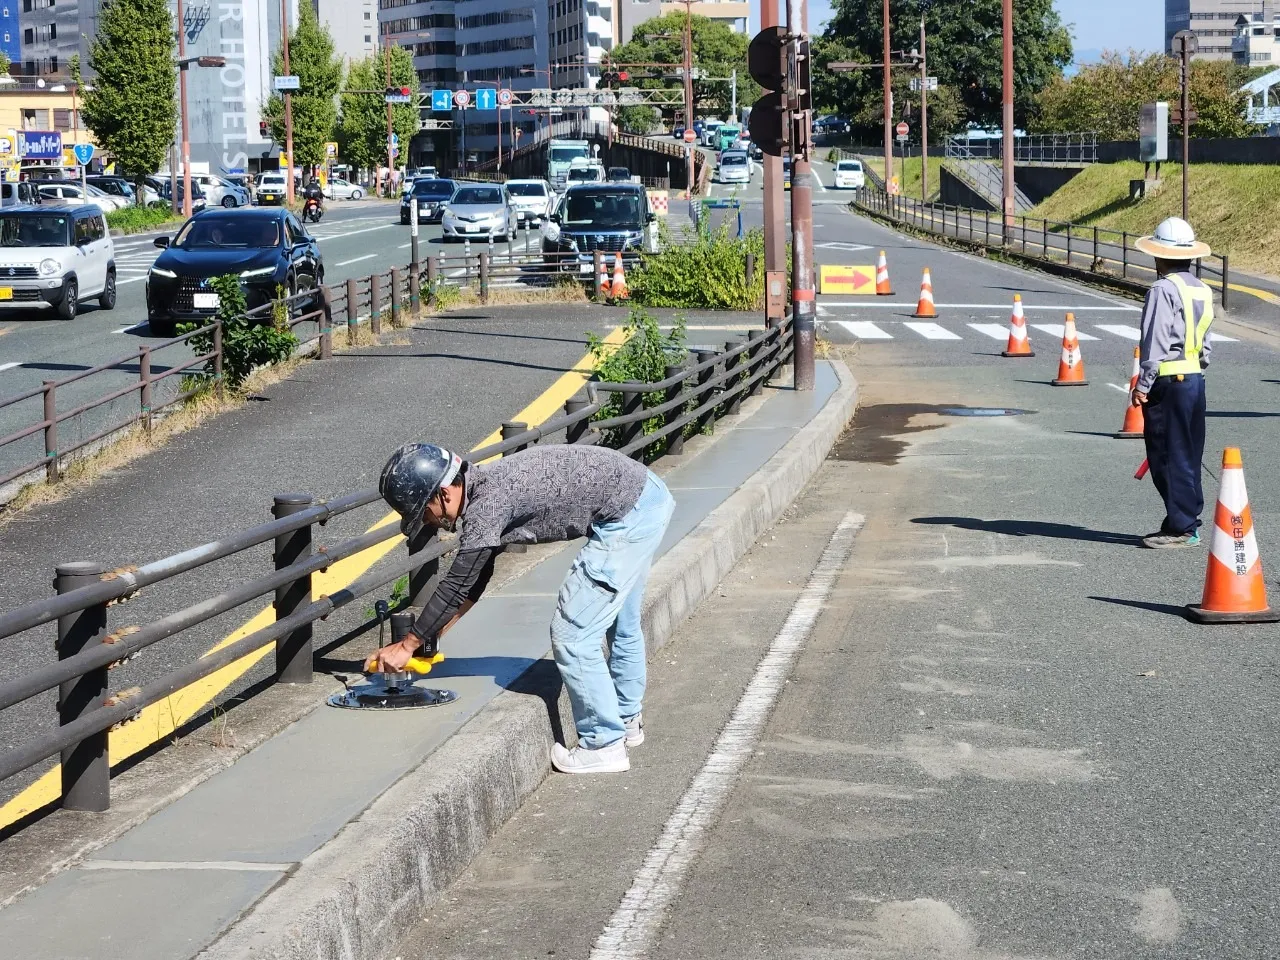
x=327 y=838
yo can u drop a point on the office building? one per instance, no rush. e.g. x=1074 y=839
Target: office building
x=10 y=30
x=353 y=24
x=1257 y=42
x=51 y=33
x=1214 y=23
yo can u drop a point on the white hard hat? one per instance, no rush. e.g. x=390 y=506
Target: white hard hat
x=1173 y=240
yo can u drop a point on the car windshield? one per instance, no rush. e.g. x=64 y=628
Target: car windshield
x=526 y=190
x=733 y=160
x=477 y=195
x=565 y=154
x=433 y=188
x=270 y=181
x=604 y=210
x=34 y=230
x=586 y=175
x=205 y=232
x=848 y=165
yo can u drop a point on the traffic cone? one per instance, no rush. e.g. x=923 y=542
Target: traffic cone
x=1019 y=344
x=619 y=289
x=1071 y=366
x=1234 y=591
x=602 y=282
x=924 y=306
x=883 y=289
x=1133 y=426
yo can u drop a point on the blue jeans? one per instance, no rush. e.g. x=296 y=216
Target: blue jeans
x=604 y=588
x=1173 y=428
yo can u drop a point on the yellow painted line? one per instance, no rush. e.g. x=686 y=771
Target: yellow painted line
x=162 y=719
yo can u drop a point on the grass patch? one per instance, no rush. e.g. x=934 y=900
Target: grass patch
x=909 y=173
x=450 y=297
x=1235 y=208
x=140 y=219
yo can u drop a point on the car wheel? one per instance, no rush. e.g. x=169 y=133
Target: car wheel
x=228 y=202
x=70 y=301
x=356 y=194
x=107 y=301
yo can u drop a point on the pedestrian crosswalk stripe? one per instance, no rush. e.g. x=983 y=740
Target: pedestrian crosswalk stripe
x=995 y=331
x=1120 y=330
x=865 y=330
x=931 y=331
x=1056 y=329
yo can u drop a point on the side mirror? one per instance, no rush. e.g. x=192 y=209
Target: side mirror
x=161 y=242
x=650 y=217
x=554 y=218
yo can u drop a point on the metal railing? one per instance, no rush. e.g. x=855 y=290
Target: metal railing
x=1090 y=251
x=95 y=635
x=1048 y=148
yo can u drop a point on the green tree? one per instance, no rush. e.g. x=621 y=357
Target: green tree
x=362 y=129
x=964 y=53
x=717 y=50
x=1107 y=97
x=132 y=109
x=319 y=74
x=639 y=119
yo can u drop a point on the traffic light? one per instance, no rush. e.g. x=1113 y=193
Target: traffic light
x=767 y=61
x=263 y=129
x=397 y=95
x=612 y=78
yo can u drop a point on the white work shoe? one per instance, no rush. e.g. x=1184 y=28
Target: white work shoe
x=610 y=759
x=635 y=730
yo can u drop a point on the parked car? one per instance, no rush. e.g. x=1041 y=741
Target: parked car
x=122 y=187
x=618 y=175
x=610 y=217
x=850 y=175
x=65 y=191
x=432 y=195
x=55 y=256
x=23 y=192
x=271 y=188
x=339 y=189
x=755 y=152
x=222 y=191
x=163 y=187
x=734 y=167
x=532 y=199
x=482 y=211
x=268 y=248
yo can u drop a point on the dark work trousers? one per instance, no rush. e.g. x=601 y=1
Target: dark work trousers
x=1174 y=433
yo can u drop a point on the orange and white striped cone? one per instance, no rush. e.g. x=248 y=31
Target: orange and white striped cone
x=1019 y=343
x=925 y=309
x=603 y=288
x=883 y=289
x=1071 y=366
x=1134 y=425
x=619 y=290
x=1234 y=591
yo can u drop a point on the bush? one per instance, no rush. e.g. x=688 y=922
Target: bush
x=136 y=219
x=710 y=274
x=246 y=344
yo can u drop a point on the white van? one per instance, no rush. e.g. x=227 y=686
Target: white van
x=850 y=175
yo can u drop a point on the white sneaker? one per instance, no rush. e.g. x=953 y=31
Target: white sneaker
x=635 y=730
x=610 y=759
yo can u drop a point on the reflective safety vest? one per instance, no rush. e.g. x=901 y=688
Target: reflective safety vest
x=1194 y=333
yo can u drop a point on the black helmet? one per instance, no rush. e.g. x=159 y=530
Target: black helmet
x=414 y=474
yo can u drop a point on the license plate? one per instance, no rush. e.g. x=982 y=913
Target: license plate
x=205 y=301
x=6 y=293
x=268 y=196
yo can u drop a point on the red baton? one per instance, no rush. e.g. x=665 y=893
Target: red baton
x=1142 y=470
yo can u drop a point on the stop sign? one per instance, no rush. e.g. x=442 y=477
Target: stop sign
x=690 y=136
x=902 y=129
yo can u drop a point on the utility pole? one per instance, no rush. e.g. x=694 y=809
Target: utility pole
x=688 y=87
x=182 y=98
x=888 y=106
x=288 y=102
x=1007 y=146
x=733 y=82
x=1184 y=40
x=924 y=113
x=775 y=239
x=803 y=305
x=390 y=130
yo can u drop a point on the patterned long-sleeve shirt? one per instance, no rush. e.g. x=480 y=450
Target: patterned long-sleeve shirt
x=1164 y=330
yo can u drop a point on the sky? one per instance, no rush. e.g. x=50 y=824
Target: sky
x=1095 y=24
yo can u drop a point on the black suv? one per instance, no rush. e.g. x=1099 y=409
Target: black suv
x=610 y=217
x=432 y=195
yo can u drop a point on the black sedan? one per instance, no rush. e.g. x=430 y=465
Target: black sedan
x=266 y=246
x=431 y=195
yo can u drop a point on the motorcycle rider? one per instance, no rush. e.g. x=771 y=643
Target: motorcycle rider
x=313 y=192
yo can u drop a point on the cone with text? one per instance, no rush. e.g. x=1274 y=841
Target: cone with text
x=1134 y=423
x=1071 y=366
x=619 y=290
x=1234 y=591
x=1019 y=344
x=883 y=288
x=925 y=309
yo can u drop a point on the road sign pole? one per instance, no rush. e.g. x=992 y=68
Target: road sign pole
x=924 y=116
x=803 y=306
x=1006 y=232
x=288 y=102
x=888 y=104
x=1186 y=121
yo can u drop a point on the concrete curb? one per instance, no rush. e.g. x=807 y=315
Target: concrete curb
x=355 y=897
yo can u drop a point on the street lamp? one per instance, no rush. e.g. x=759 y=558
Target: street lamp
x=183 y=63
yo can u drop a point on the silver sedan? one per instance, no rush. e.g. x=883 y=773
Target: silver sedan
x=480 y=211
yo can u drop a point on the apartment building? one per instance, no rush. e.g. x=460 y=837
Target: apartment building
x=1257 y=42
x=51 y=32
x=730 y=12
x=1214 y=23
x=353 y=24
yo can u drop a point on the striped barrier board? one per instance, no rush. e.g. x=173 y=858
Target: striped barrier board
x=659 y=201
x=847 y=280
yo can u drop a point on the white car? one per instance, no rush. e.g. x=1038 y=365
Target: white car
x=54 y=256
x=531 y=199
x=735 y=167
x=850 y=175
x=339 y=189
x=222 y=192
x=71 y=194
x=271 y=189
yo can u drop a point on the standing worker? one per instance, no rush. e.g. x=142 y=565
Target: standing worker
x=1170 y=389
x=546 y=494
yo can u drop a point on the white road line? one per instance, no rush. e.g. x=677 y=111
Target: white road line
x=993 y=330
x=1057 y=330
x=10 y=366
x=238 y=865
x=631 y=930
x=931 y=331
x=352 y=233
x=405 y=246
x=1120 y=330
x=1116 y=386
x=1216 y=337
x=343 y=263
x=865 y=330
x=120 y=283
x=136 y=326
x=983 y=306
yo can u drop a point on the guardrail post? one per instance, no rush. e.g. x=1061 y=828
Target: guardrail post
x=575 y=431
x=675 y=441
x=1068 y=244
x=293 y=652
x=433 y=278
x=597 y=267
x=144 y=391
x=1095 y=247
x=758 y=344
x=705 y=390
x=375 y=303
x=396 y=283
x=326 y=322
x=632 y=402
x=484 y=276
x=217 y=359
x=51 y=470
x=466 y=262
x=513 y=428
x=353 y=310
x=1124 y=254
x=86 y=769
x=732 y=373
x=1044 y=238
x=1226 y=270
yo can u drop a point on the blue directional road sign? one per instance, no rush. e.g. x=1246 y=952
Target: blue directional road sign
x=83 y=152
x=486 y=99
x=442 y=100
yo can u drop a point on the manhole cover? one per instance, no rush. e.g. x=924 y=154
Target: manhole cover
x=982 y=412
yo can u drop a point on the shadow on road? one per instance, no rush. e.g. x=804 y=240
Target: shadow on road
x=1171 y=609
x=1033 y=528
x=1240 y=414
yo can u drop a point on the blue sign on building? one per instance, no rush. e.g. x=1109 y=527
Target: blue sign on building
x=486 y=99
x=442 y=100
x=39 y=145
x=10 y=31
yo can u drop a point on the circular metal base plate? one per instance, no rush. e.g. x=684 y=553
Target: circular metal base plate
x=378 y=694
